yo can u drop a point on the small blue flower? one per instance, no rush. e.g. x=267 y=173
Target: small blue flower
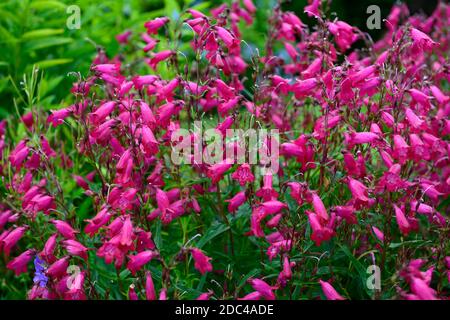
x=39 y=276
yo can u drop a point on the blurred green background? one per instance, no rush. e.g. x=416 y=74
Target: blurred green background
x=35 y=32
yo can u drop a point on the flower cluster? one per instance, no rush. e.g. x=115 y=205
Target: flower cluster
x=364 y=168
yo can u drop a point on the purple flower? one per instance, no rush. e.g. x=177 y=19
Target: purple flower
x=39 y=275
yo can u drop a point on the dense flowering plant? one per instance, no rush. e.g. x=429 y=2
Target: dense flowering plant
x=357 y=209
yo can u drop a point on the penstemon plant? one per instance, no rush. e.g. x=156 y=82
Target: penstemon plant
x=196 y=165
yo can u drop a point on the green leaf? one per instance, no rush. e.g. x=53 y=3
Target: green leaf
x=215 y=230
x=48 y=42
x=41 y=33
x=413 y=243
x=251 y=274
x=48 y=4
x=202 y=6
x=51 y=63
x=125 y=273
x=172 y=9
x=48 y=85
x=201 y=282
x=361 y=270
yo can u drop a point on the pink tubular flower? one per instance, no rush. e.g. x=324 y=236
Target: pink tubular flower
x=102 y=112
x=267 y=191
x=388 y=119
x=401 y=149
x=204 y=296
x=352 y=167
x=57 y=117
x=329 y=291
x=235 y=202
x=273 y=206
x=313 y=68
x=11 y=239
x=263 y=288
x=162 y=200
x=291 y=26
x=49 y=152
x=258 y=214
x=202 y=263
x=312 y=10
x=378 y=233
x=65 y=229
x=75 y=248
x=226 y=107
x=150 y=293
x=81 y=182
x=216 y=171
x=420 y=98
x=123 y=37
x=19 y=154
x=58 y=268
x=125 y=236
x=290 y=149
x=298 y=191
x=28 y=119
x=147 y=115
x=41 y=202
x=440 y=97
x=421 y=41
x=422 y=290
x=402 y=221
x=413 y=119
x=154 y=25
x=358 y=190
x=347 y=213
x=343 y=34
x=140 y=81
x=391 y=180
x=319 y=207
x=249 y=6
x=19 y=264
x=102 y=217
x=163 y=294
x=303 y=88
x=76 y=290
x=102 y=133
x=160 y=56
x=230 y=41
x=114 y=80
x=109 y=68
x=132 y=295
x=290 y=49
x=149 y=142
x=138 y=261
x=430 y=190
x=4 y=219
x=362 y=75
x=320 y=232
x=243 y=174
x=168 y=110
x=50 y=245
x=255 y=295
x=356 y=138
x=285 y=274
x=199 y=25
x=150 y=42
